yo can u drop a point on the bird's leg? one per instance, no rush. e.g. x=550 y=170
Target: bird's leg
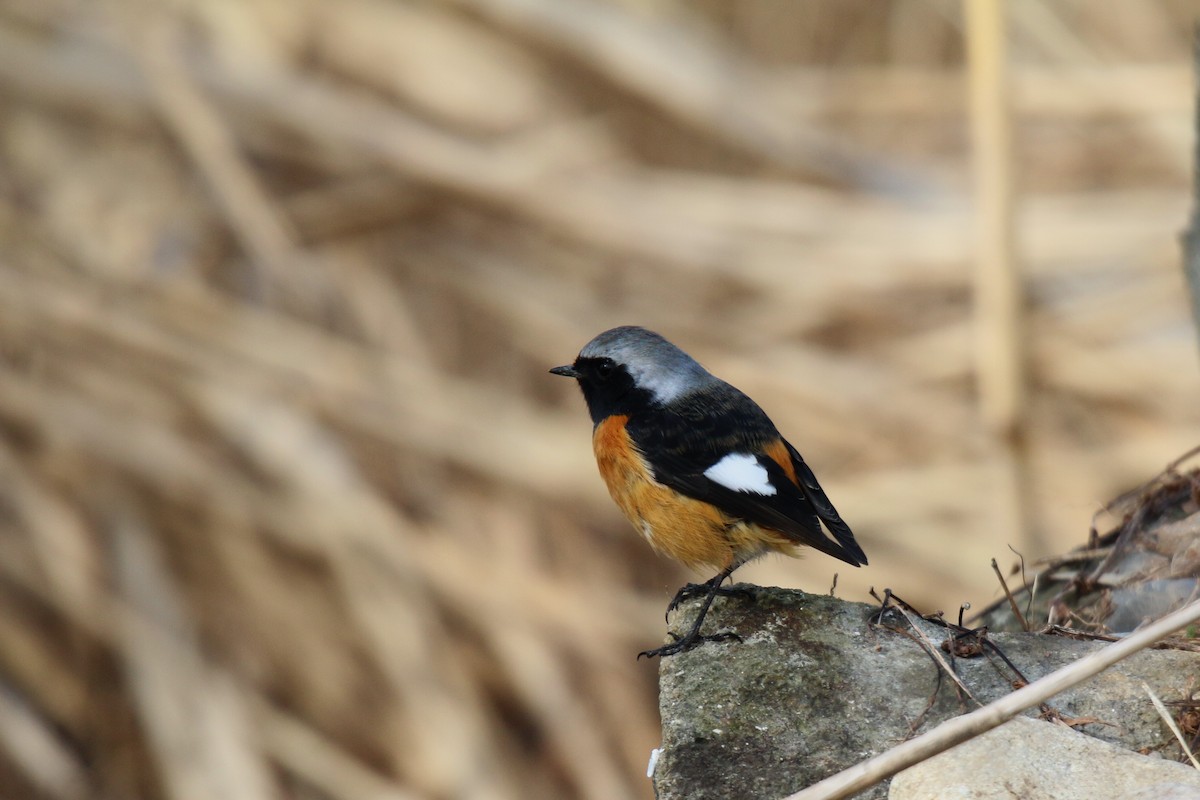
x=692 y=638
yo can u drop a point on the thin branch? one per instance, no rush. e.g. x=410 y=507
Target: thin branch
x=1012 y=603
x=1167 y=718
x=934 y=653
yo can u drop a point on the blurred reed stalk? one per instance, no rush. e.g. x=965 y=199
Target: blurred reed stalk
x=1191 y=237
x=999 y=354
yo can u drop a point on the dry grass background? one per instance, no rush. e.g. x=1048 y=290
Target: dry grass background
x=290 y=506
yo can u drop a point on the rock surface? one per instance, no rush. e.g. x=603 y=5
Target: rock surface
x=813 y=689
x=1036 y=760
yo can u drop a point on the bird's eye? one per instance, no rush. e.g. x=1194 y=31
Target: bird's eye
x=605 y=367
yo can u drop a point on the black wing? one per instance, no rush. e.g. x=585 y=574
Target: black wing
x=681 y=442
x=824 y=508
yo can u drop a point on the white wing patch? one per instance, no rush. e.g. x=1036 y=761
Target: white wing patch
x=741 y=473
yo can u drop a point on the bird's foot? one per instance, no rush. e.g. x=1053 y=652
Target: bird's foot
x=682 y=644
x=704 y=589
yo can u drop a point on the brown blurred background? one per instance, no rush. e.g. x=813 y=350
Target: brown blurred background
x=289 y=505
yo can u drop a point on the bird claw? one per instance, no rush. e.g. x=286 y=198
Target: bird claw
x=691 y=590
x=682 y=644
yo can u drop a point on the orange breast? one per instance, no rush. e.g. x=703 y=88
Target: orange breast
x=691 y=531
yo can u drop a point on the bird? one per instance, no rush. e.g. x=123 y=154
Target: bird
x=698 y=467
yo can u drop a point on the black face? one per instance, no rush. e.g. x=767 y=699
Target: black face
x=607 y=386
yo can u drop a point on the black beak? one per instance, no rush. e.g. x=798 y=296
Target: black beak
x=567 y=371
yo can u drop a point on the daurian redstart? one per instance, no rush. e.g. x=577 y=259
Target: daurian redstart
x=697 y=466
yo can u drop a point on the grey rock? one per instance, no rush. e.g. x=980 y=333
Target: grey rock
x=1035 y=760
x=812 y=689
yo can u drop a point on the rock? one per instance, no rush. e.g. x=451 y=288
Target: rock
x=1037 y=760
x=813 y=689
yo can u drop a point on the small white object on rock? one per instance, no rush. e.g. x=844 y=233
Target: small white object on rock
x=1038 y=760
x=654 y=754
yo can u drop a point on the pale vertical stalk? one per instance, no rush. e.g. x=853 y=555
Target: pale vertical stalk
x=998 y=298
x=1191 y=239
